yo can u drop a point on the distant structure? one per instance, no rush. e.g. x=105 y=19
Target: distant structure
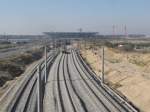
x=125 y=31
x=113 y=28
x=80 y=30
x=71 y=34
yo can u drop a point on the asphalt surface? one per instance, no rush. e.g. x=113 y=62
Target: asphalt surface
x=73 y=88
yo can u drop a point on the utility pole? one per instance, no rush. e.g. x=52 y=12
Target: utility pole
x=113 y=28
x=45 y=64
x=80 y=30
x=85 y=44
x=39 y=92
x=79 y=44
x=125 y=31
x=54 y=44
x=103 y=64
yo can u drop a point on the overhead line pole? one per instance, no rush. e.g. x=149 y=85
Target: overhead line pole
x=113 y=28
x=39 y=92
x=103 y=64
x=45 y=64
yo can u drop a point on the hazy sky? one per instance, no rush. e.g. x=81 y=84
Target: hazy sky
x=36 y=16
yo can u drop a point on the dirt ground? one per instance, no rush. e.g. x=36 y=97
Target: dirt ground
x=26 y=62
x=7 y=85
x=128 y=72
x=13 y=66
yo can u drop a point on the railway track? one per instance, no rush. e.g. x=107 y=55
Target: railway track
x=25 y=99
x=72 y=87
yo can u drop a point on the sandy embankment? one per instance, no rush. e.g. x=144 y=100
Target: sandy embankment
x=127 y=72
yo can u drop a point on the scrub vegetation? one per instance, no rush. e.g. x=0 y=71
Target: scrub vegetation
x=14 y=66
